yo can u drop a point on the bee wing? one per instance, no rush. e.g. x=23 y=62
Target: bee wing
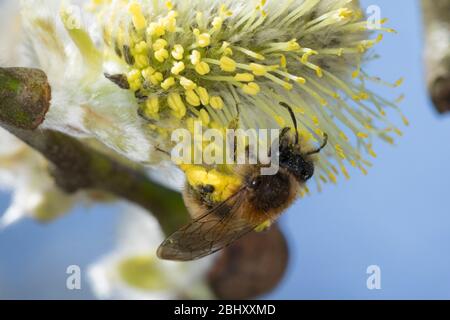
x=210 y=233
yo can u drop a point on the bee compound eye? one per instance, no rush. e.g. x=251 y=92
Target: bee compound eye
x=255 y=182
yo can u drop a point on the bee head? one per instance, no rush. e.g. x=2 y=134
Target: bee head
x=297 y=163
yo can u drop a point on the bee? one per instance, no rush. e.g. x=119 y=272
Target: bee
x=260 y=199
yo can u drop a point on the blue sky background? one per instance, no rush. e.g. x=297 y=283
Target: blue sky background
x=398 y=217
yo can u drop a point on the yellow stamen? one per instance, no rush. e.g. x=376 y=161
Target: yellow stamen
x=192 y=98
x=178 y=67
x=178 y=52
x=169 y=82
x=244 y=77
x=216 y=102
x=138 y=18
x=227 y=64
x=204 y=96
x=252 y=88
x=202 y=68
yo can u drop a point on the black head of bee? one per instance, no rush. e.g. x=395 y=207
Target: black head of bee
x=297 y=164
x=296 y=161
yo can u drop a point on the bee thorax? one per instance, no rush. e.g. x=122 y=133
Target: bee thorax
x=270 y=192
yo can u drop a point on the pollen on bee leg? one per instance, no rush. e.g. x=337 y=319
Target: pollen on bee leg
x=263 y=226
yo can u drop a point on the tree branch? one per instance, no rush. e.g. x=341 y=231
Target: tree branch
x=437 y=51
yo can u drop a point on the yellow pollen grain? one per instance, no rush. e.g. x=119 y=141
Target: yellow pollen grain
x=345 y=172
x=345 y=13
x=156 y=78
x=399 y=82
x=138 y=18
x=293 y=45
x=202 y=68
x=332 y=177
x=227 y=64
x=244 y=77
x=217 y=23
x=203 y=94
x=216 y=102
x=187 y=84
x=195 y=57
x=152 y=105
x=178 y=52
x=315 y=120
x=362 y=135
x=322 y=177
x=176 y=104
x=192 y=98
x=141 y=47
x=161 y=55
x=363 y=170
x=258 y=69
x=204 y=40
x=283 y=61
x=178 y=67
x=280 y=121
x=159 y=44
x=147 y=73
x=300 y=80
x=134 y=80
x=156 y=29
x=141 y=61
x=252 y=88
x=168 y=83
x=405 y=121
x=170 y=22
x=204 y=117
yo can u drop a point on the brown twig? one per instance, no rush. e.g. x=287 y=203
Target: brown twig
x=437 y=51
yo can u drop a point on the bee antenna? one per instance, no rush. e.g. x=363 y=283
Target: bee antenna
x=324 y=144
x=294 y=119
